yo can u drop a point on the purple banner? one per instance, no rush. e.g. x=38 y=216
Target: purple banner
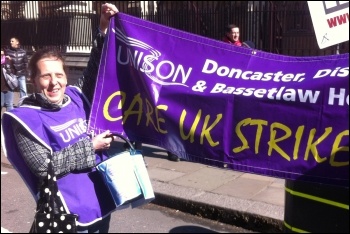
x=222 y=105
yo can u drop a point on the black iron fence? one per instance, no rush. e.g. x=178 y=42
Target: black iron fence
x=281 y=27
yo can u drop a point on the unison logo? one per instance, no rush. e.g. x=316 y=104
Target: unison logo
x=71 y=129
x=146 y=59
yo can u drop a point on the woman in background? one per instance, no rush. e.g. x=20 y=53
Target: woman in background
x=6 y=91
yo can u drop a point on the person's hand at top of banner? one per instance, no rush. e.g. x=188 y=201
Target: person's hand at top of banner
x=54 y=123
x=108 y=10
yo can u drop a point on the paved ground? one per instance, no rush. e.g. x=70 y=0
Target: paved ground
x=228 y=196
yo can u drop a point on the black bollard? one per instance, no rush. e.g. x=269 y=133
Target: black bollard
x=314 y=207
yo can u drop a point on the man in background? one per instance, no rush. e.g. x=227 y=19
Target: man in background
x=19 y=59
x=232 y=35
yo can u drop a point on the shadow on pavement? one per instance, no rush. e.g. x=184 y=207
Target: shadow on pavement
x=191 y=229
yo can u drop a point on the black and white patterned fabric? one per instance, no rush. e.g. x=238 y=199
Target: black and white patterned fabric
x=51 y=217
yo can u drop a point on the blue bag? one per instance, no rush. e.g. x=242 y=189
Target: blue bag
x=126 y=176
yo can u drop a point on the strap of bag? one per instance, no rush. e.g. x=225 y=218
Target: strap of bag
x=51 y=215
x=132 y=148
x=54 y=198
x=49 y=193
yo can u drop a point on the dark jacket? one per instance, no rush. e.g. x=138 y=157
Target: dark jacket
x=19 y=60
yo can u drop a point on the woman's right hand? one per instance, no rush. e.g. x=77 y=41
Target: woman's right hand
x=102 y=141
x=108 y=10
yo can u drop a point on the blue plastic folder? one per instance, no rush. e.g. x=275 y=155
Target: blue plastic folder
x=143 y=179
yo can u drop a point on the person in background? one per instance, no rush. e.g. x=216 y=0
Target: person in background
x=6 y=91
x=248 y=44
x=19 y=59
x=53 y=121
x=232 y=35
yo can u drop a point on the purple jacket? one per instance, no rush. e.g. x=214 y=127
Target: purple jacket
x=83 y=192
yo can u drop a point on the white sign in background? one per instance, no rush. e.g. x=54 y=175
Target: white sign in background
x=331 y=21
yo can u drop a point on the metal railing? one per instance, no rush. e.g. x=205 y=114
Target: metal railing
x=281 y=27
